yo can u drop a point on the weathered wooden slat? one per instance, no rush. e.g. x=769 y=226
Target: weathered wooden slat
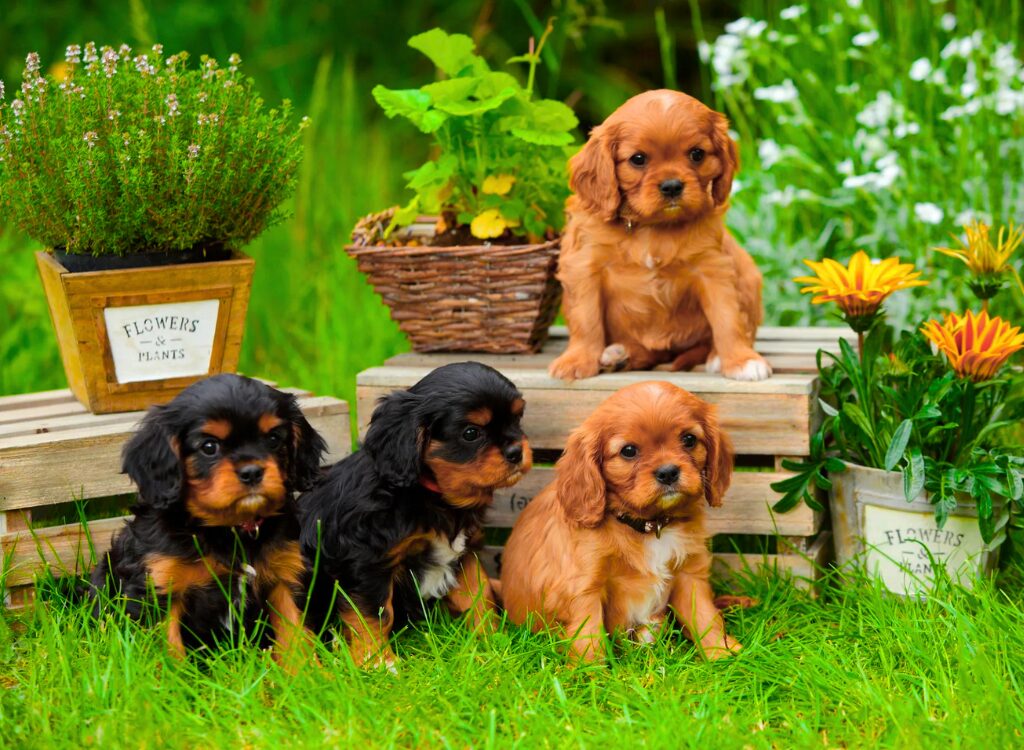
x=85 y=462
x=40 y=398
x=64 y=549
x=760 y=419
x=745 y=510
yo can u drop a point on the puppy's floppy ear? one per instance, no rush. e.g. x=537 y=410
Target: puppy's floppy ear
x=725 y=148
x=592 y=174
x=396 y=437
x=718 y=464
x=580 y=483
x=307 y=450
x=151 y=460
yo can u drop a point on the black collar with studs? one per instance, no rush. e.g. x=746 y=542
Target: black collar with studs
x=645 y=525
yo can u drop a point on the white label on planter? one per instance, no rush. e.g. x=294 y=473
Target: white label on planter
x=903 y=546
x=152 y=342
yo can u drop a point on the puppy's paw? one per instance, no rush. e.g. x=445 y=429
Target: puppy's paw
x=728 y=647
x=750 y=368
x=647 y=634
x=574 y=365
x=614 y=358
x=385 y=660
x=714 y=364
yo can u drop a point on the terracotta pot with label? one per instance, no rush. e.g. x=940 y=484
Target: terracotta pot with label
x=898 y=542
x=135 y=336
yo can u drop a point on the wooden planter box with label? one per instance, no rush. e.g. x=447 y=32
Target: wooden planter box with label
x=136 y=337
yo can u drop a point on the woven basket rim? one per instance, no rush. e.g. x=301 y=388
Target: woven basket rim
x=494 y=251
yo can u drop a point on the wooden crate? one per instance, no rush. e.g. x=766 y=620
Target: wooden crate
x=53 y=451
x=767 y=422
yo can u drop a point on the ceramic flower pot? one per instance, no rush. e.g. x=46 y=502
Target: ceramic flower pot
x=898 y=542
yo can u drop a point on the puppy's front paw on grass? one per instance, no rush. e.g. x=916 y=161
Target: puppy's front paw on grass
x=574 y=366
x=728 y=647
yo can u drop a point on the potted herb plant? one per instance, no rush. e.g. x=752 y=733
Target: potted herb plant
x=143 y=177
x=917 y=447
x=478 y=275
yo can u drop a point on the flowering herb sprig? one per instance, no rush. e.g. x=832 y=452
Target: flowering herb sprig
x=133 y=151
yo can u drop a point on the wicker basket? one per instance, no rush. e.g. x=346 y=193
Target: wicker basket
x=499 y=299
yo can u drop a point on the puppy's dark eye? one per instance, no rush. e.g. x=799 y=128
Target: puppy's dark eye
x=689 y=440
x=696 y=155
x=629 y=451
x=470 y=434
x=209 y=447
x=638 y=160
x=273 y=441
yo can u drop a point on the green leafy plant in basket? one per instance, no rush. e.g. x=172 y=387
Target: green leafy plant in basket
x=500 y=170
x=939 y=404
x=134 y=152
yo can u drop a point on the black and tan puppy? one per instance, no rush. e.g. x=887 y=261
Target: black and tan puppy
x=400 y=521
x=215 y=535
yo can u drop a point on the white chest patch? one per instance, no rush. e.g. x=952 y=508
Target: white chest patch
x=437 y=576
x=663 y=556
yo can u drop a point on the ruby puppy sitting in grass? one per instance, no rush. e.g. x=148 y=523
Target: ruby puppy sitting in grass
x=618 y=539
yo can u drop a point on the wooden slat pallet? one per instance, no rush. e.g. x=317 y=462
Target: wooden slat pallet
x=53 y=451
x=767 y=422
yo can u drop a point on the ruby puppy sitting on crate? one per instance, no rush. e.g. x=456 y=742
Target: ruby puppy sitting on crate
x=215 y=536
x=618 y=538
x=651 y=275
x=399 y=523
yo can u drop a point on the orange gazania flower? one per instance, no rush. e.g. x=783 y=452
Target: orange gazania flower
x=987 y=261
x=860 y=288
x=976 y=345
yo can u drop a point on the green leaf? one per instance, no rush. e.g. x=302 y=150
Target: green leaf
x=828 y=408
x=1014 y=483
x=898 y=444
x=913 y=475
x=835 y=465
x=449 y=52
x=788 y=502
x=542 y=137
x=451 y=90
x=476 y=106
x=412 y=104
x=405 y=215
x=433 y=174
x=856 y=415
x=495 y=82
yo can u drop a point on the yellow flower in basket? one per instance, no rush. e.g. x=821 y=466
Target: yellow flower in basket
x=490 y=224
x=860 y=288
x=976 y=345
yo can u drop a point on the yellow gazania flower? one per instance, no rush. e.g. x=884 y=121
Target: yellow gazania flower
x=860 y=288
x=976 y=345
x=498 y=184
x=490 y=224
x=986 y=261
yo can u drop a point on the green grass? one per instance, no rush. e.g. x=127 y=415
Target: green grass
x=853 y=668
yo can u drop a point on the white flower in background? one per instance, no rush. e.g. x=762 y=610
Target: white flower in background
x=870 y=145
x=17 y=107
x=110 y=59
x=928 y=213
x=1007 y=100
x=782 y=197
x=849 y=88
x=90 y=56
x=877 y=112
x=193 y=150
x=952 y=113
x=920 y=69
x=968 y=89
x=845 y=167
x=769 y=152
x=938 y=78
x=746 y=26
x=172 y=105
x=32 y=63
x=792 y=12
x=962 y=47
x=1005 y=61
x=73 y=54
x=90 y=138
x=780 y=94
x=973 y=107
x=947 y=22
x=904 y=129
x=729 y=60
x=865 y=38
x=704 y=51
x=158 y=49
x=1 y=90
x=736 y=184
x=854 y=3
x=969 y=215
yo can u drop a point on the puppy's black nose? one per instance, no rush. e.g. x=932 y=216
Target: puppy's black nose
x=667 y=474
x=671 y=188
x=250 y=474
x=514 y=453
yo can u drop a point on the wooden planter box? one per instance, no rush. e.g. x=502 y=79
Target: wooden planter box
x=53 y=453
x=135 y=337
x=767 y=421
